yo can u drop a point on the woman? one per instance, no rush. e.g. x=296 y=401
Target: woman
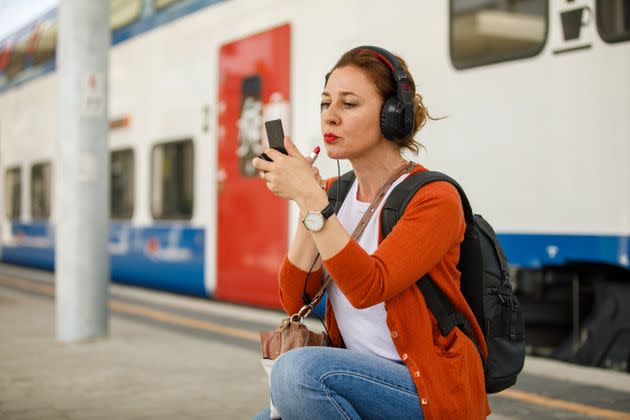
x=389 y=358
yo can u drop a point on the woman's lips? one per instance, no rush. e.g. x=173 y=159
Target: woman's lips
x=330 y=138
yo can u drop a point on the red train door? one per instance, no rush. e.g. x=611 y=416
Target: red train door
x=252 y=228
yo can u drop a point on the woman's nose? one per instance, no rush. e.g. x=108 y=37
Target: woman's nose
x=330 y=116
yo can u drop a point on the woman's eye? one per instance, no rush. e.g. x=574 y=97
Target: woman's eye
x=347 y=105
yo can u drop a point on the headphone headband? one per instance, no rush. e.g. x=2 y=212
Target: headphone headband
x=390 y=60
x=402 y=87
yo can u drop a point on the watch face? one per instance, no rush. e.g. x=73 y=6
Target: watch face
x=314 y=221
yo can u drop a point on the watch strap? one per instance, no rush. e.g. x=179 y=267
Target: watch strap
x=328 y=211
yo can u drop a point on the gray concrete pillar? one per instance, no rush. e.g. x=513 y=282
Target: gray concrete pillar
x=82 y=171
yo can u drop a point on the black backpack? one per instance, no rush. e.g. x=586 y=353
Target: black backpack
x=485 y=281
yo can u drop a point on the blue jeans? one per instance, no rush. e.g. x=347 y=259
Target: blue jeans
x=330 y=383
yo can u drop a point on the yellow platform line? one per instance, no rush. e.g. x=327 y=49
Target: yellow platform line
x=182 y=321
x=563 y=405
x=29 y=286
x=131 y=309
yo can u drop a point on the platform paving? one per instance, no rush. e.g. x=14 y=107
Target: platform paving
x=171 y=367
x=138 y=372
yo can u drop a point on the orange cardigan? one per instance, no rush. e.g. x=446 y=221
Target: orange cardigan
x=447 y=371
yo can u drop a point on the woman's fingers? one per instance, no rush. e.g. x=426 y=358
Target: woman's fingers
x=275 y=155
x=261 y=164
x=286 y=176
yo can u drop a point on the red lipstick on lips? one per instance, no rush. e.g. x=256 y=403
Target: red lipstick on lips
x=330 y=138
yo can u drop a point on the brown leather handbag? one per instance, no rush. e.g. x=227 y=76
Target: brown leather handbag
x=291 y=333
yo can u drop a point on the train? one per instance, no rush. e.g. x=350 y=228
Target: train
x=534 y=95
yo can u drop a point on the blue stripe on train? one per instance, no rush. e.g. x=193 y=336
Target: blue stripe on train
x=168 y=257
x=32 y=245
x=537 y=250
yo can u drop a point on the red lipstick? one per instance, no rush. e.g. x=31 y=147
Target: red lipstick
x=330 y=138
x=314 y=154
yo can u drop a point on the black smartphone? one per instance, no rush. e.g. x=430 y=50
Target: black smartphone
x=275 y=135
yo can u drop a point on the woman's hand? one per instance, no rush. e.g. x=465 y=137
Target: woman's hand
x=291 y=177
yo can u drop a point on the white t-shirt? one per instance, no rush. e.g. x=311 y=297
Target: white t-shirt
x=363 y=330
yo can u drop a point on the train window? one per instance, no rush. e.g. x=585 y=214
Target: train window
x=124 y=12
x=13 y=193
x=613 y=20
x=490 y=31
x=172 y=180
x=17 y=57
x=121 y=184
x=41 y=190
x=161 y=4
x=5 y=52
x=45 y=42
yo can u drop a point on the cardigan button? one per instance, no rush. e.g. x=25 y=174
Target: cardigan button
x=424 y=401
x=416 y=374
x=394 y=334
x=405 y=357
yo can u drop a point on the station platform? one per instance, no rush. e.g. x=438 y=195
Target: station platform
x=175 y=357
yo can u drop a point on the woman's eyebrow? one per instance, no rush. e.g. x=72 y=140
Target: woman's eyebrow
x=344 y=93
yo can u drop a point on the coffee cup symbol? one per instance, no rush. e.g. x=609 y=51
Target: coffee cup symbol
x=573 y=20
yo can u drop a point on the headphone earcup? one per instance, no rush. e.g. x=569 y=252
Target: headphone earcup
x=392 y=121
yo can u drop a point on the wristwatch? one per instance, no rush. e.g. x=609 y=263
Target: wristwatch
x=314 y=220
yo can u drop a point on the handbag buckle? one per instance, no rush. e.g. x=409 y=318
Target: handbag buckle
x=298 y=318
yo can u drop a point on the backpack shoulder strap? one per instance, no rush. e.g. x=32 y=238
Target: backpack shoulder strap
x=470 y=252
x=403 y=193
x=341 y=186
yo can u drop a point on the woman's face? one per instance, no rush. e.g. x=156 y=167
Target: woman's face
x=350 y=116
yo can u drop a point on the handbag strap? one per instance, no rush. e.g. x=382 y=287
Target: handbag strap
x=404 y=168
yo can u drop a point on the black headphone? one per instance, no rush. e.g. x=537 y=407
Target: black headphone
x=397 y=116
